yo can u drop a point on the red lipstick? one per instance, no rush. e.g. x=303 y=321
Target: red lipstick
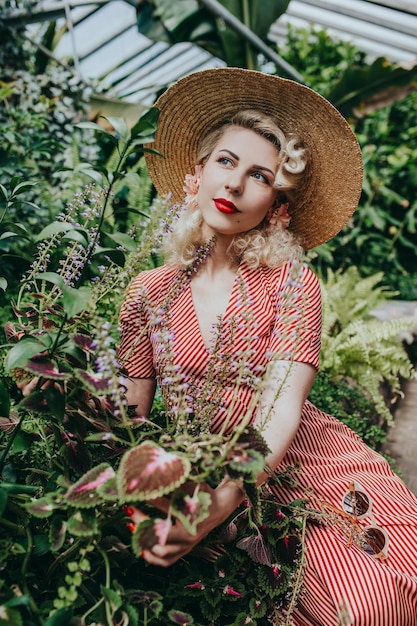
x=225 y=206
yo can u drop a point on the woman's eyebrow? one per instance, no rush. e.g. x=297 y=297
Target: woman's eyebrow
x=255 y=166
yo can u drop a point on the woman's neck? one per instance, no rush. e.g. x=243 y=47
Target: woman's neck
x=220 y=259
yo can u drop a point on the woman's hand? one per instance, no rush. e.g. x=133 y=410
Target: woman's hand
x=179 y=542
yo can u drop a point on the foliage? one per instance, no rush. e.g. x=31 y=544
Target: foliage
x=347 y=401
x=189 y=20
x=382 y=235
x=355 y=343
x=73 y=454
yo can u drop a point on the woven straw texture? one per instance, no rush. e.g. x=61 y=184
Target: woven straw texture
x=331 y=188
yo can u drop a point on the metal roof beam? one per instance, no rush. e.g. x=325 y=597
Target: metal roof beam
x=314 y=14
x=405 y=6
x=54 y=11
x=365 y=12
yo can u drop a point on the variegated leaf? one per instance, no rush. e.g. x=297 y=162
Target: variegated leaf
x=257 y=549
x=83 y=524
x=191 y=509
x=85 y=492
x=144 y=537
x=147 y=472
x=43 y=507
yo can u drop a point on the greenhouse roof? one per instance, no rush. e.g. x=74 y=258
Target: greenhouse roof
x=104 y=42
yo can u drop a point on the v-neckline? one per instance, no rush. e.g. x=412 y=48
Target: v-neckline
x=224 y=316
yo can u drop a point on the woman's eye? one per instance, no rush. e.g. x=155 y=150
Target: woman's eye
x=260 y=177
x=224 y=160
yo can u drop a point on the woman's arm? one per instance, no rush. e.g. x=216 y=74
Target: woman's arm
x=286 y=387
x=140 y=393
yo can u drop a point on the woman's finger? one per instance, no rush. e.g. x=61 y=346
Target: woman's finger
x=136 y=514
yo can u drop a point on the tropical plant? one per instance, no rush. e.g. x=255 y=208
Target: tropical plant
x=200 y=23
x=382 y=235
x=346 y=400
x=358 y=346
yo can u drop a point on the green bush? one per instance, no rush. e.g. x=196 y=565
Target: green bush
x=382 y=235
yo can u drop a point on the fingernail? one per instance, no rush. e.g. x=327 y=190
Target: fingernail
x=131 y=526
x=142 y=554
x=128 y=510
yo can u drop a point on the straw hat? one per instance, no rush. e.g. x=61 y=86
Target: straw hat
x=330 y=191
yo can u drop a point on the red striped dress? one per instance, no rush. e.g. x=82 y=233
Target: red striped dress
x=276 y=313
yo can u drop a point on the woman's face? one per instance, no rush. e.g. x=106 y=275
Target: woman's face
x=236 y=187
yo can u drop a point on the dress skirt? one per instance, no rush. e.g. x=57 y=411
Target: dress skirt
x=345 y=585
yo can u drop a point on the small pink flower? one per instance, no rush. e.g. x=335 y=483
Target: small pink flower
x=229 y=591
x=286 y=541
x=280 y=216
x=222 y=573
x=191 y=186
x=196 y=585
x=275 y=570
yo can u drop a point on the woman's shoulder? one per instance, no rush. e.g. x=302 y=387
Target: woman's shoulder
x=152 y=281
x=292 y=274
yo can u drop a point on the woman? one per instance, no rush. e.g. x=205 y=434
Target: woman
x=258 y=196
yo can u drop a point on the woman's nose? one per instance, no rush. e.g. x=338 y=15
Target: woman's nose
x=234 y=183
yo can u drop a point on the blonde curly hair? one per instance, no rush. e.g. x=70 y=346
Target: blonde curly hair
x=267 y=244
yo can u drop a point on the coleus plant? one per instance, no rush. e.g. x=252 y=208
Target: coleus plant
x=74 y=455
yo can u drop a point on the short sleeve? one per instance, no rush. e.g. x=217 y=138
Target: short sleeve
x=296 y=335
x=135 y=352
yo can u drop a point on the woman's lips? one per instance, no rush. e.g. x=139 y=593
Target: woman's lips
x=225 y=206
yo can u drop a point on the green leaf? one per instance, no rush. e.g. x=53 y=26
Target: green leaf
x=22 y=187
x=119 y=126
x=98 y=129
x=364 y=89
x=85 y=168
x=3 y=283
x=53 y=229
x=77 y=235
x=7 y=235
x=122 y=239
x=3 y=500
x=146 y=124
x=83 y=524
x=4 y=400
x=113 y=254
x=112 y=597
x=41 y=545
x=62 y=617
x=51 y=277
x=75 y=300
x=17 y=488
x=20 y=354
x=10 y=617
x=264 y=14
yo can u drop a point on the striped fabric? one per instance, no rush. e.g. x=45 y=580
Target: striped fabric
x=276 y=313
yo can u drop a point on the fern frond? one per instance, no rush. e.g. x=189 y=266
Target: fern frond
x=357 y=345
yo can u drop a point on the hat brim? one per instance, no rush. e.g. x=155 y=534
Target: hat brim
x=330 y=191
